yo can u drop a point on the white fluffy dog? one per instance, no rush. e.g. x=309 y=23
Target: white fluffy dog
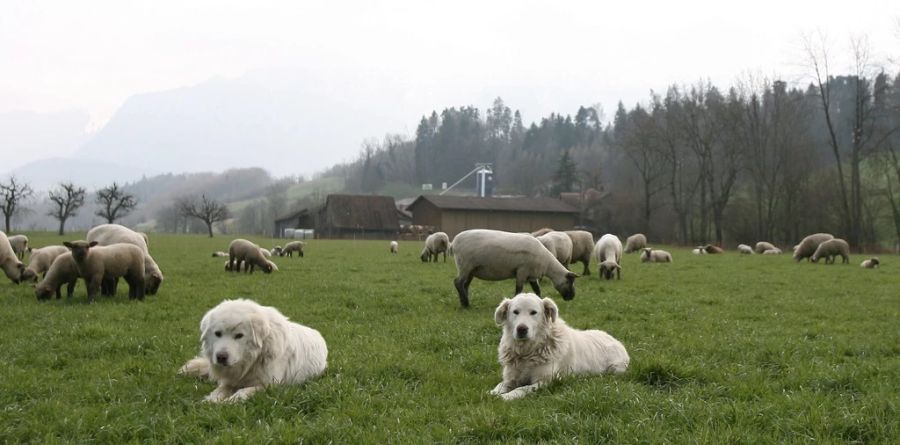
x=246 y=346
x=538 y=346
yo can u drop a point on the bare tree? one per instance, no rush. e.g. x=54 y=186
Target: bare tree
x=114 y=203
x=68 y=199
x=11 y=196
x=207 y=210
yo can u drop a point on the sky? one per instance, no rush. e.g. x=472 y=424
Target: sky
x=541 y=57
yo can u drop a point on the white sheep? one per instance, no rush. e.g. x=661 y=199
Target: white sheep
x=772 y=251
x=808 y=245
x=109 y=234
x=63 y=270
x=559 y=244
x=266 y=252
x=745 y=249
x=830 y=249
x=9 y=261
x=19 y=245
x=582 y=248
x=435 y=244
x=635 y=243
x=649 y=255
x=608 y=252
x=763 y=246
x=700 y=250
x=395 y=247
x=493 y=255
x=243 y=251
x=103 y=265
x=277 y=250
x=40 y=261
x=291 y=247
x=871 y=263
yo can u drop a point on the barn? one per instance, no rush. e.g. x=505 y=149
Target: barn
x=346 y=216
x=453 y=214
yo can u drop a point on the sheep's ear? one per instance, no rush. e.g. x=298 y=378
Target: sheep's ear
x=619 y=266
x=502 y=309
x=67 y=244
x=571 y=276
x=551 y=312
x=93 y=243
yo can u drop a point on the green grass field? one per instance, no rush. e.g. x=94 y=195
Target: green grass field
x=724 y=349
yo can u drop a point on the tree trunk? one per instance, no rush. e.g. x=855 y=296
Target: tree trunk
x=62 y=226
x=209 y=225
x=7 y=216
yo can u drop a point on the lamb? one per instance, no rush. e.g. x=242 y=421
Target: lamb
x=109 y=234
x=277 y=250
x=699 y=250
x=19 y=245
x=63 y=270
x=808 y=245
x=871 y=263
x=40 y=262
x=291 y=247
x=266 y=252
x=635 y=243
x=582 y=248
x=608 y=252
x=494 y=255
x=711 y=249
x=98 y=264
x=772 y=251
x=745 y=249
x=9 y=262
x=219 y=254
x=559 y=244
x=435 y=244
x=243 y=251
x=395 y=247
x=830 y=249
x=763 y=246
x=649 y=255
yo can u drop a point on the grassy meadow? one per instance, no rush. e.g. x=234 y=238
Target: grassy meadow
x=724 y=349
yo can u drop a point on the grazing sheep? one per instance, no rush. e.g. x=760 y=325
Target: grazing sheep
x=559 y=244
x=63 y=270
x=635 y=243
x=219 y=254
x=763 y=246
x=145 y=237
x=395 y=247
x=608 y=252
x=649 y=255
x=291 y=247
x=109 y=234
x=830 y=249
x=40 y=262
x=871 y=263
x=582 y=248
x=9 y=262
x=277 y=250
x=436 y=243
x=266 y=252
x=699 y=250
x=19 y=245
x=711 y=249
x=808 y=245
x=98 y=265
x=494 y=255
x=243 y=251
x=772 y=251
x=745 y=249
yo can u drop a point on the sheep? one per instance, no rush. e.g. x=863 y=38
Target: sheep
x=63 y=270
x=830 y=249
x=745 y=249
x=699 y=250
x=291 y=247
x=145 y=237
x=649 y=255
x=277 y=250
x=808 y=245
x=608 y=252
x=582 y=248
x=243 y=251
x=395 y=247
x=542 y=231
x=494 y=255
x=9 y=262
x=635 y=243
x=109 y=234
x=40 y=262
x=871 y=263
x=763 y=246
x=19 y=245
x=711 y=249
x=100 y=265
x=266 y=252
x=435 y=244
x=559 y=244
x=219 y=254
x=772 y=251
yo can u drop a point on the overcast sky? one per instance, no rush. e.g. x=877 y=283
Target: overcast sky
x=540 y=56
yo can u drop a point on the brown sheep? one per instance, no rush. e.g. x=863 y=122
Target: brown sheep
x=63 y=270
x=98 y=265
x=40 y=262
x=830 y=249
x=291 y=247
x=711 y=249
x=243 y=251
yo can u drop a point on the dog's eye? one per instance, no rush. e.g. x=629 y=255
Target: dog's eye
x=218 y=333
x=516 y=312
x=533 y=312
x=238 y=336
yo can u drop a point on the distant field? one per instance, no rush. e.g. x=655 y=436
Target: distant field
x=724 y=349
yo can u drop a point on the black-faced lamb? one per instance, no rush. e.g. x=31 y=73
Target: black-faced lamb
x=649 y=255
x=608 y=252
x=635 y=243
x=871 y=263
x=63 y=270
x=435 y=244
x=97 y=264
x=277 y=250
x=40 y=261
x=291 y=247
x=9 y=262
x=830 y=249
x=493 y=255
x=763 y=246
x=243 y=251
x=559 y=244
x=19 y=245
x=109 y=234
x=808 y=245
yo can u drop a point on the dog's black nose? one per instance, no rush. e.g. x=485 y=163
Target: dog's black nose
x=222 y=358
x=521 y=331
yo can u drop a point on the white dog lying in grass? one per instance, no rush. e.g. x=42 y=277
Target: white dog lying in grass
x=538 y=346
x=245 y=347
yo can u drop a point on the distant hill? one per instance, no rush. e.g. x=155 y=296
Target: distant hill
x=47 y=173
x=27 y=136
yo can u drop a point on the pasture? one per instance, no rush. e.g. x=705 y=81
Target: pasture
x=724 y=349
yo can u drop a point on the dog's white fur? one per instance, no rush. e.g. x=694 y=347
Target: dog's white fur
x=538 y=346
x=246 y=346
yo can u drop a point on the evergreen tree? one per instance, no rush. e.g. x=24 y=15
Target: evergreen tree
x=566 y=174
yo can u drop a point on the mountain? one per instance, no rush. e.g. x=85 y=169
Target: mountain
x=27 y=136
x=91 y=174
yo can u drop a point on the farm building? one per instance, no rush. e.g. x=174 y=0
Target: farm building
x=453 y=214
x=346 y=216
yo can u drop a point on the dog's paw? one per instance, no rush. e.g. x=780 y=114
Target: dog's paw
x=513 y=395
x=499 y=389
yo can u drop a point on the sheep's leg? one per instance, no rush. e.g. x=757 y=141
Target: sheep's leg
x=70 y=289
x=93 y=287
x=462 y=288
x=59 y=293
x=535 y=286
x=445 y=256
x=587 y=270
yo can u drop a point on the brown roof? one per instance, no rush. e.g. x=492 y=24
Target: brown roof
x=361 y=212
x=445 y=202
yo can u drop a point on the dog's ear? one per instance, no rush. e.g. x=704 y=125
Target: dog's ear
x=260 y=327
x=204 y=324
x=551 y=312
x=502 y=309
